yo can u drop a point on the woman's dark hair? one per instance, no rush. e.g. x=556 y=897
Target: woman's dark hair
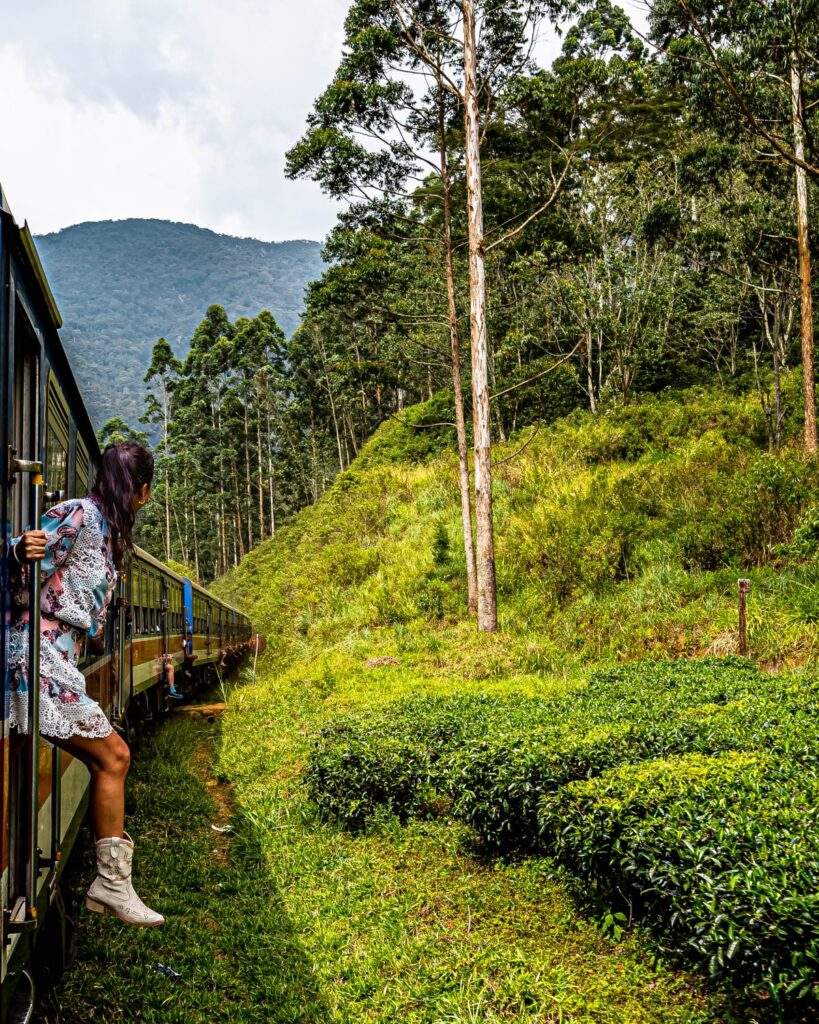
x=123 y=470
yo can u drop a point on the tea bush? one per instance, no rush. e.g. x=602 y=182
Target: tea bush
x=684 y=791
x=720 y=855
x=396 y=759
x=494 y=757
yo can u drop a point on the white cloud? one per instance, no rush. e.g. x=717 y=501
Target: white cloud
x=179 y=109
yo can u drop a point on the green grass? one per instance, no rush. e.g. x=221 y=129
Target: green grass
x=618 y=538
x=227 y=933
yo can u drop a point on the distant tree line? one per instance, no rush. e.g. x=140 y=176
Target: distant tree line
x=515 y=241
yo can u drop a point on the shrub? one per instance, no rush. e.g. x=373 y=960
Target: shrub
x=497 y=785
x=805 y=543
x=719 y=855
x=395 y=759
x=415 y=434
x=774 y=493
x=495 y=757
x=352 y=778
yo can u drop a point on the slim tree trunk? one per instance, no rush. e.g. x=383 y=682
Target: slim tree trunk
x=195 y=542
x=222 y=530
x=248 y=489
x=270 y=471
x=804 y=258
x=590 y=371
x=259 y=467
x=455 y=353
x=186 y=536
x=332 y=408
x=240 y=540
x=351 y=431
x=487 y=591
x=167 y=479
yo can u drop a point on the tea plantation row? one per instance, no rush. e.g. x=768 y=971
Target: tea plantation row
x=683 y=794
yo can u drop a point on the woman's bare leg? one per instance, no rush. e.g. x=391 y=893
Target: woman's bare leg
x=108 y=761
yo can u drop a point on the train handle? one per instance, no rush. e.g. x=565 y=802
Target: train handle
x=17 y=466
x=33 y=872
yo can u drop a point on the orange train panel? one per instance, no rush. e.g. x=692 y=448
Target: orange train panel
x=147 y=648
x=99 y=684
x=44 y=782
x=44 y=774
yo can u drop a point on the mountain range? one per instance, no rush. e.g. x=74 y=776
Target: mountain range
x=122 y=284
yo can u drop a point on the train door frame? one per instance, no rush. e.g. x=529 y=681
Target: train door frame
x=23 y=432
x=124 y=634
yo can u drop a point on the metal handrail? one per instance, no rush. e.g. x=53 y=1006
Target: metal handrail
x=33 y=872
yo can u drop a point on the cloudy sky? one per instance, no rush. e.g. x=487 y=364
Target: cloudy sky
x=180 y=109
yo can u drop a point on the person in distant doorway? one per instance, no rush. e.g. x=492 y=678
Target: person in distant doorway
x=80 y=546
x=188 y=658
x=170 y=677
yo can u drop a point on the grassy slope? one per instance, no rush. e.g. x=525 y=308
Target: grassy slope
x=601 y=528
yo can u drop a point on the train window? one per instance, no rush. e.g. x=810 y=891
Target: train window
x=138 y=599
x=57 y=424
x=143 y=603
x=144 y=600
x=82 y=469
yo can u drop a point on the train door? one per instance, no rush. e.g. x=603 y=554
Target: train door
x=163 y=615
x=21 y=749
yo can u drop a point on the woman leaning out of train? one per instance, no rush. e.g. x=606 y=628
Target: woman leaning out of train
x=80 y=548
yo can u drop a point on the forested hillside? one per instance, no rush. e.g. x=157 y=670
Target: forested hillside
x=120 y=285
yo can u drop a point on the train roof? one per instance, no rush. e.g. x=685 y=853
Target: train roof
x=155 y=562
x=145 y=556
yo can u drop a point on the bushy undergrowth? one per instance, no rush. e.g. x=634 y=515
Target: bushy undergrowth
x=629 y=782
x=618 y=536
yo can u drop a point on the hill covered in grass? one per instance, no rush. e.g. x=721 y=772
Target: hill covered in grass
x=654 y=792
x=618 y=537
x=122 y=284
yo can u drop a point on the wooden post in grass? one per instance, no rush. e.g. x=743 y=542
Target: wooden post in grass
x=744 y=590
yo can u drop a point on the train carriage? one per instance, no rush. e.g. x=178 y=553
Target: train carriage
x=48 y=451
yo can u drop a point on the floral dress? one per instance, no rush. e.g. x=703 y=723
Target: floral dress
x=77 y=582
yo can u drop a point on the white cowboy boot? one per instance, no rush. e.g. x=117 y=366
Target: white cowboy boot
x=111 y=891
